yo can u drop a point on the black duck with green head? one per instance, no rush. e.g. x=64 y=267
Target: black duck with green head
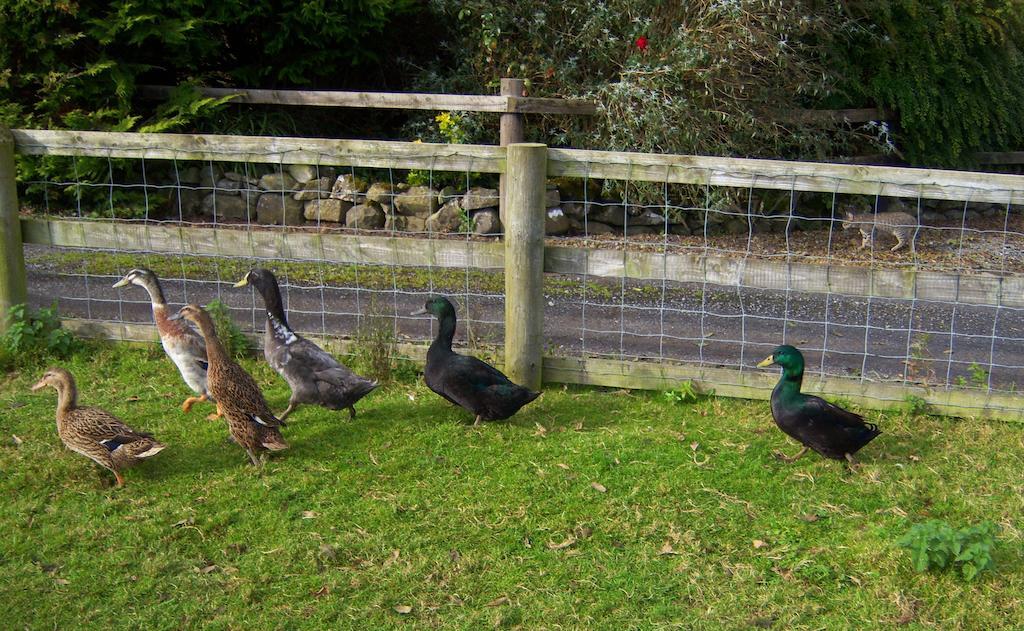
x=464 y=380
x=814 y=422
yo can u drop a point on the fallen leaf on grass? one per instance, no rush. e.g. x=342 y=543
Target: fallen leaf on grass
x=454 y=556
x=759 y=544
x=497 y=602
x=133 y=399
x=17 y=441
x=403 y=609
x=809 y=517
x=392 y=558
x=320 y=593
x=208 y=569
x=578 y=426
x=541 y=430
x=62 y=581
x=561 y=546
x=667 y=549
x=309 y=514
x=562 y=465
x=600 y=488
x=373 y=458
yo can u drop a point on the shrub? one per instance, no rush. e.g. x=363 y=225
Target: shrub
x=936 y=544
x=31 y=337
x=375 y=343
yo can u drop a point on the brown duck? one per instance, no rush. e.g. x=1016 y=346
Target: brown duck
x=249 y=419
x=95 y=433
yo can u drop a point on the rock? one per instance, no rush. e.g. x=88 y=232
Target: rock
x=556 y=223
x=239 y=177
x=552 y=198
x=679 y=228
x=574 y=209
x=380 y=192
x=596 y=227
x=406 y=224
x=928 y=216
x=302 y=173
x=631 y=231
x=349 y=188
x=326 y=210
x=736 y=226
x=229 y=187
x=208 y=175
x=577 y=189
x=477 y=198
x=486 y=221
x=612 y=214
x=447 y=194
x=186 y=201
x=447 y=219
x=186 y=176
x=277 y=182
x=314 y=189
x=251 y=197
x=277 y=209
x=224 y=207
x=368 y=216
x=419 y=201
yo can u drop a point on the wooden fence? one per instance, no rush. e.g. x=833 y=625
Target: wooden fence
x=523 y=253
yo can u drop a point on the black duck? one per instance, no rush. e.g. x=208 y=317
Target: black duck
x=812 y=421
x=464 y=380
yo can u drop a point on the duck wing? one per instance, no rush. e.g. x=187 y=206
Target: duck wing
x=481 y=388
x=100 y=426
x=832 y=431
x=238 y=393
x=316 y=376
x=189 y=341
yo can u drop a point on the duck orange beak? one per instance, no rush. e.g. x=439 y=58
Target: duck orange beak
x=767 y=361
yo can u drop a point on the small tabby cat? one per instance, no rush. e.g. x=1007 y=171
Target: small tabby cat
x=900 y=225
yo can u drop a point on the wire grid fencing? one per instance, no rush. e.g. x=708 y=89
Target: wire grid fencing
x=719 y=276
x=640 y=269
x=325 y=293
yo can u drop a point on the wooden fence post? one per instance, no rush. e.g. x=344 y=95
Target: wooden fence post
x=511 y=132
x=524 y=262
x=12 y=259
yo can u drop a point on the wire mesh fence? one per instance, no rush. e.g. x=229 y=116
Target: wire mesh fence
x=665 y=263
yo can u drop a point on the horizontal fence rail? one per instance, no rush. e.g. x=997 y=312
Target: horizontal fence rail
x=641 y=309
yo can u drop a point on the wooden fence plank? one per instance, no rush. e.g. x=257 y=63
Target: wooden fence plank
x=240 y=242
x=391 y=100
x=789 y=175
x=262 y=149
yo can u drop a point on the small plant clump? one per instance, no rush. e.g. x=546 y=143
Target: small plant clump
x=32 y=336
x=685 y=392
x=936 y=544
x=231 y=336
x=375 y=344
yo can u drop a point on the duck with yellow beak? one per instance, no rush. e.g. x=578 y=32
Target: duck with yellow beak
x=812 y=421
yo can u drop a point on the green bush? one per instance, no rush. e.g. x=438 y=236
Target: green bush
x=32 y=337
x=952 y=71
x=230 y=334
x=936 y=544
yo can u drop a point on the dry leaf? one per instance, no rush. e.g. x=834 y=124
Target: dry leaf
x=541 y=430
x=454 y=556
x=209 y=568
x=599 y=487
x=373 y=458
x=17 y=441
x=561 y=546
x=323 y=591
x=810 y=517
x=578 y=426
x=308 y=514
x=694 y=446
x=62 y=581
x=392 y=558
x=759 y=544
x=497 y=602
x=667 y=548
x=562 y=465
x=133 y=399
x=403 y=609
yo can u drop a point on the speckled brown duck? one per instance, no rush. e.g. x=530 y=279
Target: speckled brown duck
x=94 y=432
x=251 y=422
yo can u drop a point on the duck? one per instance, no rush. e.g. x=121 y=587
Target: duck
x=812 y=421
x=312 y=373
x=250 y=421
x=466 y=381
x=181 y=341
x=94 y=432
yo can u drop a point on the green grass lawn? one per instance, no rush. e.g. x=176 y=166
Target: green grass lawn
x=590 y=509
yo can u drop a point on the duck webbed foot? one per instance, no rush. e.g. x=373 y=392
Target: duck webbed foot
x=189 y=402
x=783 y=457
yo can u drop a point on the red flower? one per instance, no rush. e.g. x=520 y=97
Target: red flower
x=641 y=44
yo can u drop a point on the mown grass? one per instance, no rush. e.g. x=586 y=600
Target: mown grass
x=410 y=509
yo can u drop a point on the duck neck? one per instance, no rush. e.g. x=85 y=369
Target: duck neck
x=789 y=384
x=272 y=300
x=67 y=397
x=156 y=292
x=445 y=334
x=215 y=351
